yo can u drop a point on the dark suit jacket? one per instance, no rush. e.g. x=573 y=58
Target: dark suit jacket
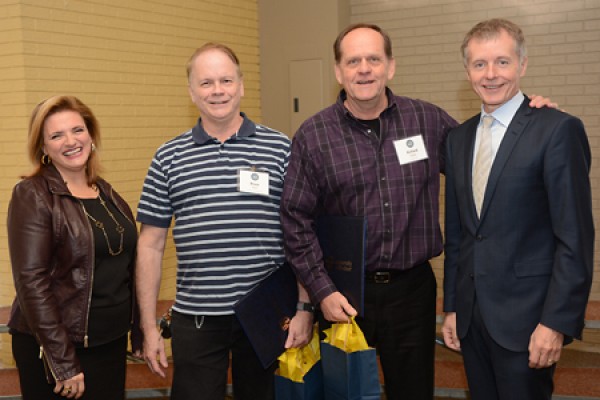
x=529 y=259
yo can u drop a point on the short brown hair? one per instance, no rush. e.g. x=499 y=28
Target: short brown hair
x=49 y=107
x=387 y=42
x=212 y=46
x=491 y=29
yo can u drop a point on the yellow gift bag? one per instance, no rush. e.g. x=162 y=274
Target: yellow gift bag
x=347 y=337
x=300 y=375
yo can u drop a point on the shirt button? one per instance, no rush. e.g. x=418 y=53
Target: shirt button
x=386 y=204
x=479 y=238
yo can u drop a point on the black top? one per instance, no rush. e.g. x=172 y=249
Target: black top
x=373 y=124
x=110 y=310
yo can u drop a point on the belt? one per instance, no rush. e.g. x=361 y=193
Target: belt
x=382 y=276
x=386 y=276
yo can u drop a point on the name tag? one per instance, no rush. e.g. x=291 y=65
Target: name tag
x=251 y=181
x=411 y=149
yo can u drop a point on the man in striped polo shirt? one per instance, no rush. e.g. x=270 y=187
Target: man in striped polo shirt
x=222 y=182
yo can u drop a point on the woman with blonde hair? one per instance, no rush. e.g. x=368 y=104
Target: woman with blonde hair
x=72 y=242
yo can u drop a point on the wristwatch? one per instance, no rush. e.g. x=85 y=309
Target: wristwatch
x=302 y=306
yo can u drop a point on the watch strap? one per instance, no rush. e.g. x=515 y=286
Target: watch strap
x=302 y=306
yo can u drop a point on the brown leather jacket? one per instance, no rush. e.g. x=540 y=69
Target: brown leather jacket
x=52 y=254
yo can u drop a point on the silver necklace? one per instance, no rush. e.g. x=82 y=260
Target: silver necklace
x=100 y=225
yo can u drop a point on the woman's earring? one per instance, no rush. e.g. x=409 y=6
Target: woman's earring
x=93 y=147
x=45 y=159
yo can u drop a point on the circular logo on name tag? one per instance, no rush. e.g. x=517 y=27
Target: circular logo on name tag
x=254 y=176
x=410 y=143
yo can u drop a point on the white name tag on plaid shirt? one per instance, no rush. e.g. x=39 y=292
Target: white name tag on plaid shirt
x=411 y=149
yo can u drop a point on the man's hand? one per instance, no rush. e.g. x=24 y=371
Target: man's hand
x=539 y=102
x=545 y=347
x=154 y=352
x=449 y=331
x=336 y=308
x=301 y=330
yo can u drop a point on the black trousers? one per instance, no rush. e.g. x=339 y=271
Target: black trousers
x=496 y=373
x=399 y=321
x=104 y=369
x=201 y=348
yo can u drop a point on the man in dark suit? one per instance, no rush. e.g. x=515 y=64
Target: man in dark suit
x=519 y=227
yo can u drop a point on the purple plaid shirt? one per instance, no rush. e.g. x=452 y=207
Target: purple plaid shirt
x=338 y=167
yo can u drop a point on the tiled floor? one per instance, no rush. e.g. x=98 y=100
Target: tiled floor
x=231 y=398
x=578 y=374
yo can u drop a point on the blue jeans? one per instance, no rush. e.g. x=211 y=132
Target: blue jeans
x=201 y=348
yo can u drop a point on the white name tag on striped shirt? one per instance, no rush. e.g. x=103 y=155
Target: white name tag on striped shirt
x=250 y=181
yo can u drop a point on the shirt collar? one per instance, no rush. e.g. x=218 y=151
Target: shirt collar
x=505 y=113
x=388 y=92
x=248 y=128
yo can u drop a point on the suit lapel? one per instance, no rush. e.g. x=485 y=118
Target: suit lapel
x=469 y=151
x=511 y=137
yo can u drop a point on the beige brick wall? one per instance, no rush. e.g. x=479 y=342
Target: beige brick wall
x=12 y=121
x=126 y=60
x=563 y=40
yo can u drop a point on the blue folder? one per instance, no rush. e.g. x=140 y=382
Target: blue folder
x=264 y=311
x=343 y=242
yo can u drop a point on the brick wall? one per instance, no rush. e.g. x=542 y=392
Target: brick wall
x=12 y=123
x=563 y=39
x=126 y=60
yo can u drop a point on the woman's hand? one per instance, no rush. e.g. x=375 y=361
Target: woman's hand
x=71 y=388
